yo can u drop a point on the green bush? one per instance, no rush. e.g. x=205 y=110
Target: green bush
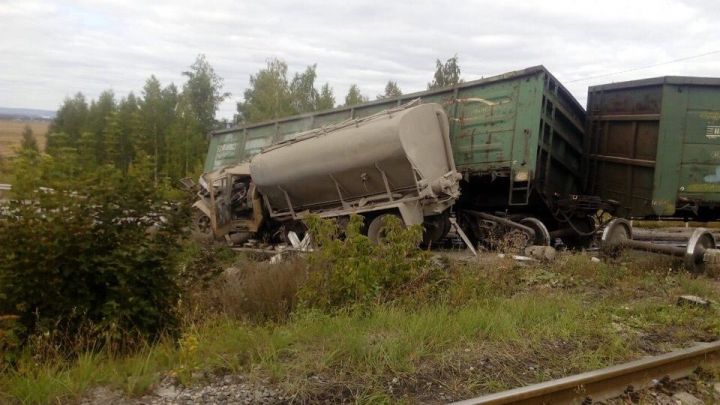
x=10 y=342
x=89 y=253
x=201 y=263
x=349 y=269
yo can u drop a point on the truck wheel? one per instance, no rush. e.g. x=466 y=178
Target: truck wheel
x=201 y=227
x=435 y=228
x=376 y=229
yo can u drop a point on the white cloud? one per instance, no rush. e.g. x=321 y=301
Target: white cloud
x=53 y=49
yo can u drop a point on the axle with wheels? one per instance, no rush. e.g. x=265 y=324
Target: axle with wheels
x=700 y=248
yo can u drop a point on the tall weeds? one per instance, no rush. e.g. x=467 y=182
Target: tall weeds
x=350 y=270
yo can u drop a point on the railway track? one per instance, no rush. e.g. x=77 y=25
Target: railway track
x=610 y=382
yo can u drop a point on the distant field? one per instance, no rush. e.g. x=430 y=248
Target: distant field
x=11 y=134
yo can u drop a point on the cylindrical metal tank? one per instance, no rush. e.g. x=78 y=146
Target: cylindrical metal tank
x=392 y=156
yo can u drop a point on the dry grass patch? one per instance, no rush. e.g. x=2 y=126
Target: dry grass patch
x=11 y=134
x=257 y=291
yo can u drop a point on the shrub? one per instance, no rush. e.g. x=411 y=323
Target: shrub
x=93 y=253
x=201 y=263
x=10 y=332
x=350 y=269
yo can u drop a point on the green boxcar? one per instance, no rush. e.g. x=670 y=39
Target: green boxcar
x=517 y=138
x=654 y=146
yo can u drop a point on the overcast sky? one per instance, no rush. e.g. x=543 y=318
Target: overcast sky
x=52 y=49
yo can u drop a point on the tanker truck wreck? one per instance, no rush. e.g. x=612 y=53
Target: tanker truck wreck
x=396 y=162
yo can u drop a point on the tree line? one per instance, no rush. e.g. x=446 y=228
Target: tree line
x=168 y=124
x=271 y=94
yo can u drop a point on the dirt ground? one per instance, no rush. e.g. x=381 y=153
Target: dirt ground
x=702 y=387
x=11 y=134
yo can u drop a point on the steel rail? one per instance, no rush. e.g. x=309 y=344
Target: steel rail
x=610 y=382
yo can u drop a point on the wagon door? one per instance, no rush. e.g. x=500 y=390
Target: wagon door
x=624 y=130
x=700 y=168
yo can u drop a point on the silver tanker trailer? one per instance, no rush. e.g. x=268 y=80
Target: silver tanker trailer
x=397 y=162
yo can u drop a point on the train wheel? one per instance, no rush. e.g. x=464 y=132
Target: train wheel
x=615 y=233
x=377 y=227
x=542 y=235
x=699 y=242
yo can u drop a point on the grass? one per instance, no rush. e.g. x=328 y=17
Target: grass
x=492 y=325
x=11 y=134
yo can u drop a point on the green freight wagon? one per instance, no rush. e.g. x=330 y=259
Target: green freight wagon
x=654 y=146
x=517 y=139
